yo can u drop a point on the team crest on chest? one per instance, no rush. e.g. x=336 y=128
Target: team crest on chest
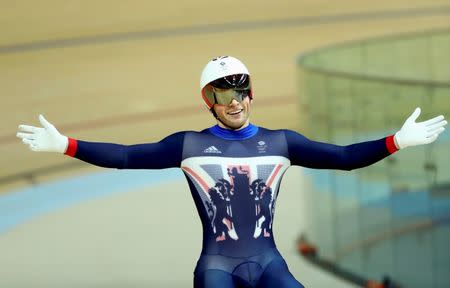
x=239 y=198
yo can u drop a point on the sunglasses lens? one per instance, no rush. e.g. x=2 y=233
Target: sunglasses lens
x=225 y=97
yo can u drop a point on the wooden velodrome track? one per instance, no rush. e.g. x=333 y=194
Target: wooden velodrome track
x=128 y=73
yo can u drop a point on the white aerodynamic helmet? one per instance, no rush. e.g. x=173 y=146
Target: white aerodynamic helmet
x=224 y=72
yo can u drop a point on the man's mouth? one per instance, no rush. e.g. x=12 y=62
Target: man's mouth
x=235 y=112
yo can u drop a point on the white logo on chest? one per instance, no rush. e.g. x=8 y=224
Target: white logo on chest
x=262 y=146
x=213 y=150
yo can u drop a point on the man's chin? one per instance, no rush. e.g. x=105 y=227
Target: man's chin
x=235 y=125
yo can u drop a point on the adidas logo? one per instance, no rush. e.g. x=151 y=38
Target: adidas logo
x=212 y=149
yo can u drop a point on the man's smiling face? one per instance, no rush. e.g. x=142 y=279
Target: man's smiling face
x=234 y=116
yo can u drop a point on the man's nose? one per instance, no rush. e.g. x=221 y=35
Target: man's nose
x=234 y=102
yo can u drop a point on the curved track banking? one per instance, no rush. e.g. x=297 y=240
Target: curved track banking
x=108 y=84
x=226 y=27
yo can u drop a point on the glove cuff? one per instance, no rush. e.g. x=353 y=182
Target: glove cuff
x=390 y=144
x=71 y=147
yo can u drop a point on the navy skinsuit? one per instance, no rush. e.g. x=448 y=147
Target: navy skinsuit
x=234 y=177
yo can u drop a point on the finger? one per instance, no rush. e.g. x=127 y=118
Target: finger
x=27 y=141
x=440 y=131
x=44 y=122
x=436 y=125
x=434 y=120
x=431 y=139
x=34 y=148
x=436 y=131
x=28 y=128
x=25 y=135
x=414 y=115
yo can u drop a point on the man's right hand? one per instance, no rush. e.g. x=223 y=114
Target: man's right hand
x=46 y=138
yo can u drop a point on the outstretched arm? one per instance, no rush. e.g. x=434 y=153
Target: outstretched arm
x=313 y=154
x=163 y=154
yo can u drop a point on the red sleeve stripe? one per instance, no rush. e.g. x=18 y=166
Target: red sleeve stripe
x=72 y=147
x=390 y=144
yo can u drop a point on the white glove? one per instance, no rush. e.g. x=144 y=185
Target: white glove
x=413 y=133
x=46 y=139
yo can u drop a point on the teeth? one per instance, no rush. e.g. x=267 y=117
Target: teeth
x=236 y=112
